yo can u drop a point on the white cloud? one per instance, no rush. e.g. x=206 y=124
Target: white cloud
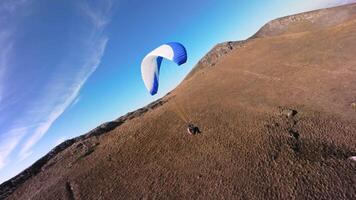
x=4 y=53
x=61 y=91
x=70 y=95
x=9 y=10
x=99 y=15
x=8 y=142
x=76 y=100
x=12 y=5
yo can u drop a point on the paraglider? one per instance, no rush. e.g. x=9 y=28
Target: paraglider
x=192 y=129
x=151 y=63
x=150 y=67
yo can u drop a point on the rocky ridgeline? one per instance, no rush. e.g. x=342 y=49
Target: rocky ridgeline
x=11 y=185
x=215 y=54
x=273 y=28
x=310 y=21
x=220 y=50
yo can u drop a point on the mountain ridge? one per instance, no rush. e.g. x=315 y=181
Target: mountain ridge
x=86 y=144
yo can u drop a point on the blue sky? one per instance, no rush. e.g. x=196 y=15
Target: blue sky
x=67 y=66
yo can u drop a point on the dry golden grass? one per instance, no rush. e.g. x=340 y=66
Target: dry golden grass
x=275 y=118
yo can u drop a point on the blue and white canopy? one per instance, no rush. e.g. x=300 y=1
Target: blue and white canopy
x=151 y=63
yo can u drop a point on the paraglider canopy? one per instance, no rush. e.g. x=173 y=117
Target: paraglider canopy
x=151 y=63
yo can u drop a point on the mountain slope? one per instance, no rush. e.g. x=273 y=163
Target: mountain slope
x=277 y=117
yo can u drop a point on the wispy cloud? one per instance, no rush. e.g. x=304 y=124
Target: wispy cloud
x=100 y=17
x=70 y=95
x=62 y=89
x=8 y=143
x=69 y=92
x=11 y=5
x=11 y=138
x=76 y=100
x=4 y=53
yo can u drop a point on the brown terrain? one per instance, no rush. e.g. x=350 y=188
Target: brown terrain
x=277 y=114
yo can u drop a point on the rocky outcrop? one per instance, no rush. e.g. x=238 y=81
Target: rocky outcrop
x=310 y=21
x=215 y=54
